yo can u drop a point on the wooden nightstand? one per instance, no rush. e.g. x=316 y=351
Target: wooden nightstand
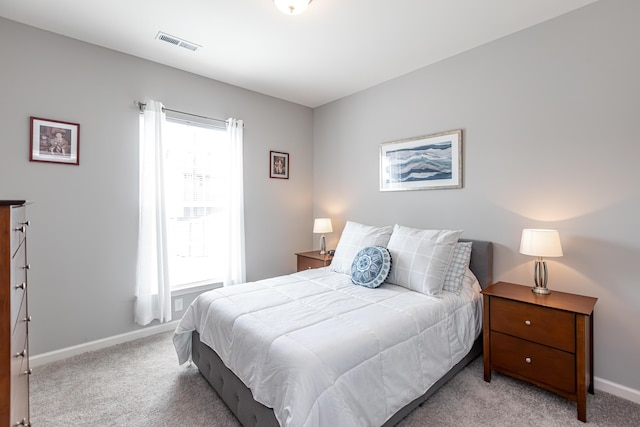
x=313 y=259
x=546 y=340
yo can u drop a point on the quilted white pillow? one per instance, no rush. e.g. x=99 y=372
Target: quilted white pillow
x=355 y=237
x=459 y=265
x=421 y=258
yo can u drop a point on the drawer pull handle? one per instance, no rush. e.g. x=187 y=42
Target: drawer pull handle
x=527 y=322
x=23 y=353
x=22 y=228
x=528 y=360
x=27 y=319
x=21 y=286
x=28 y=371
x=23 y=422
x=27 y=267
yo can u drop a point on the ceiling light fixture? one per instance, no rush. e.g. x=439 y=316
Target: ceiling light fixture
x=292 y=7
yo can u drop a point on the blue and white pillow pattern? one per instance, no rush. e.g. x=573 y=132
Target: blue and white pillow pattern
x=457 y=268
x=371 y=266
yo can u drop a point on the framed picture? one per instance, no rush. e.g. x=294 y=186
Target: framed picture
x=279 y=165
x=54 y=141
x=422 y=163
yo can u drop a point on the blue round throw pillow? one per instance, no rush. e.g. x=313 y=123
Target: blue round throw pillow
x=371 y=266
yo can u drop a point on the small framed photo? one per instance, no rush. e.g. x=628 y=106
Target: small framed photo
x=279 y=165
x=54 y=141
x=422 y=163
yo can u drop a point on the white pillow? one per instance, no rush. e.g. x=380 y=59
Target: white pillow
x=355 y=237
x=421 y=258
x=470 y=283
x=459 y=264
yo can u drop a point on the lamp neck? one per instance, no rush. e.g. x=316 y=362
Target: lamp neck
x=323 y=244
x=540 y=273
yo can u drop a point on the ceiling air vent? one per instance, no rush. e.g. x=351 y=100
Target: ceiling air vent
x=176 y=41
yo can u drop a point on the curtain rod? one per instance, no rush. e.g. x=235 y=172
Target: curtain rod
x=141 y=106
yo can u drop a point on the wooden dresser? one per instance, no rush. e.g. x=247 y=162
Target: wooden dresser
x=312 y=259
x=14 y=315
x=546 y=340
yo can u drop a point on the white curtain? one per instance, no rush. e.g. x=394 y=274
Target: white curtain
x=236 y=270
x=153 y=290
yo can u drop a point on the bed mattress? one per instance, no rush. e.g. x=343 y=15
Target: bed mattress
x=321 y=351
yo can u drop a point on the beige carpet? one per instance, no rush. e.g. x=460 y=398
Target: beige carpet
x=140 y=384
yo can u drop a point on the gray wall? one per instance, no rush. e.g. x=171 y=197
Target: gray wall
x=82 y=244
x=549 y=141
x=550 y=120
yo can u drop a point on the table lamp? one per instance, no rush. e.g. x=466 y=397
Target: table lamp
x=322 y=226
x=540 y=243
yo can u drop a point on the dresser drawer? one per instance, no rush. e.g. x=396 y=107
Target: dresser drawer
x=19 y=327
x=18 y=228
x=538 y=363
x=19 y=389
x=555 y=328
x=18 y=282
x=19 y=332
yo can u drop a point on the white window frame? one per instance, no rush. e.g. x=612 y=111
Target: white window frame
x=212 y=283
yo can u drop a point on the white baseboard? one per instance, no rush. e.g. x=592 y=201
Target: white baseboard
x=616 y=389
x=64 y=353
x=54 y=356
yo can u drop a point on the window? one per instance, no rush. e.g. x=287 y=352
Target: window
x=196 y=182
x=191 y=208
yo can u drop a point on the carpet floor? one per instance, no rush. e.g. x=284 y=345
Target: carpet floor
x=139 y=383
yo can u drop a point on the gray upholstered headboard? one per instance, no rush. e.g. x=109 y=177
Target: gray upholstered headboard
x=481 y=261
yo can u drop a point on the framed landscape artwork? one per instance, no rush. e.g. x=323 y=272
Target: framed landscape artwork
x=279 y=165
x=422 y=163
x=54 y=141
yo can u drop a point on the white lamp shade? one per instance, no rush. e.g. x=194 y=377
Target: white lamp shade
x=322 y=225
x=543 y=243
x=292 y=7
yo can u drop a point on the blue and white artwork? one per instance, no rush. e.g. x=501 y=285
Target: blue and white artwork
x=421 y=163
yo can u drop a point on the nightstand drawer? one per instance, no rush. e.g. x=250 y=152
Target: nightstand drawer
x=538 y=363
x=312 y=259
x=555 y=328
x=308 y=263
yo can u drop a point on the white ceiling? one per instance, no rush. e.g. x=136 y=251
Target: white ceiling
x=335 y=48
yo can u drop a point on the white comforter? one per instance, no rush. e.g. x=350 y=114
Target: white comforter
x=322 y=351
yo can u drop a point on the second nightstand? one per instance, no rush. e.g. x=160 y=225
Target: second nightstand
x=313 y=259
x=546 y=340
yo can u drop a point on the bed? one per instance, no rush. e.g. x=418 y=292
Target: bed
x=369 y=374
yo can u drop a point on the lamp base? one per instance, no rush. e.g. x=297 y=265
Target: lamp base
x=540 y=290
x=540 y=276
x=323 y=245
